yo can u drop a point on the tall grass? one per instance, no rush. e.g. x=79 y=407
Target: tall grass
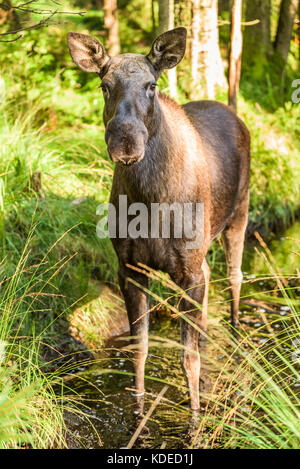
x=254 y=401
x=30 y=413
x=259 y=406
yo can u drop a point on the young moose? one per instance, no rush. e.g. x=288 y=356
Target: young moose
x=165 y=153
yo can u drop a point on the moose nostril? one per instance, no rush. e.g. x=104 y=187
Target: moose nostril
x=130 y=159
x=127 y=160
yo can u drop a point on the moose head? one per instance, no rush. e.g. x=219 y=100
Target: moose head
x=128 y=85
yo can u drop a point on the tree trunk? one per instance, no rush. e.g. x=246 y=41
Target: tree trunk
x=163 y=16
x=111 y=24
x=166 y=22
x=257 y=37
x=184 y=16
x=8 y=15
x=207 y=66
x=287 y=15
x=235 y=60
x=195 y=49
x=153 y=17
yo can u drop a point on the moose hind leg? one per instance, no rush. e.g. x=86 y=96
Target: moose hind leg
x=206 y=273
x=233 y=239
x=136 y=301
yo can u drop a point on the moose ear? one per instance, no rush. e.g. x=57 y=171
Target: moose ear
x=168 y=49
x=88 y=53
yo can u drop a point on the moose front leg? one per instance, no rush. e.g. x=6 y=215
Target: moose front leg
x=190 y=325
x=136 y=301
x=190 y=360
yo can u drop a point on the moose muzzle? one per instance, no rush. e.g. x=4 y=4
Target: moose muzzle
x=126 y=140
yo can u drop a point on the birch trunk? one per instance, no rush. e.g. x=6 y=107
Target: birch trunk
x=166 y=22
x=235 y=60
x=111 y=24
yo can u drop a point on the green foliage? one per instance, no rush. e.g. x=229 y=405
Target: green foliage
x=275 y=168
